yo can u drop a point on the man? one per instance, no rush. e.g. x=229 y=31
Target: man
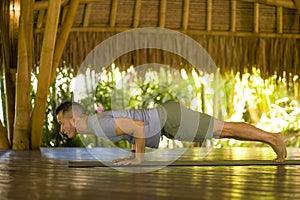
x=144 y=127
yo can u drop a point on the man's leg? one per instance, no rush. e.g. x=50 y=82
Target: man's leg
x=247 y=132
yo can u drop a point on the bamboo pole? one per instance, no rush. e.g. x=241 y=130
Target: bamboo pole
x=113 y=13
x=8 y=49
x=4 y=144
x=22 y=112
x=45 y=4
x=29 y=37
x=63 y=36
x=185 y=17
x=209 y=15
x=279 y=19
x=44 y=75
x=189 y=31
x=233 y=16
x=256 y=18
x=40 y=20
x=137 y=12
x=162 y=13
x=297 y=5
x=282 y=3
x=64 y=13
x=87 y=14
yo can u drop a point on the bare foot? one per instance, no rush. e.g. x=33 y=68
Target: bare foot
x=279 y=147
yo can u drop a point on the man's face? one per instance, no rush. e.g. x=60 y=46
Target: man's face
x=67 y=125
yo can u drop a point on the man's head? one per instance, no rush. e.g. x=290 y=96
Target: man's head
x=69 y=114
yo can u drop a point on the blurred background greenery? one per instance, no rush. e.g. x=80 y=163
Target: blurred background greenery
x=270 y=104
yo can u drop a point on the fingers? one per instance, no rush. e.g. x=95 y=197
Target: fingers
x=127 y=161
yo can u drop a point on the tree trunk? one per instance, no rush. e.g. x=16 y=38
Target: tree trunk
x=21 y=138
x=44 y=76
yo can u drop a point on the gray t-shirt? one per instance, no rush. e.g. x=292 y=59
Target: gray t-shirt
x=103 y=124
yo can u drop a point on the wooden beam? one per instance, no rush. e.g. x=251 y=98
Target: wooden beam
x=209 y=15
x=233 y=16
x=113 y=13
x=162 y=13
x=256 y=18
x=279 y=19
x=137 y=12
x=185 y=17
x=283 y=3
x=189 y=32
x=87 y=14
x=39 y=5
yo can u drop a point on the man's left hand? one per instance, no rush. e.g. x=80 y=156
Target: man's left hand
x=127 y=161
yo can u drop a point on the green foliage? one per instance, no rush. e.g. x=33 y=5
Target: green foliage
x=270 y=104
x=59 y=92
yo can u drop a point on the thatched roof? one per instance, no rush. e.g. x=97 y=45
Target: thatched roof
x=236 y=33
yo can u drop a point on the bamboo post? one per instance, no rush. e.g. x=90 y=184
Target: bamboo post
x=64 y=13
x=256 y=18
x=185 y=17
x=233 y=16
x=162 y=13
x=297 y=5
x=279 y=20
x=22 y=111
x=283 y=3
x=87 y=14
x=209 y=15
x=40 y=19
x=4 y=144
x=137 y=12
x=8 y=44
x=63 y=36
x=113 y=13
x=44 y=76
x=29 y=37
x=38 y=5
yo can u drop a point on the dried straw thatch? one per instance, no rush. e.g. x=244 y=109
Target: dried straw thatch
x=236 y=33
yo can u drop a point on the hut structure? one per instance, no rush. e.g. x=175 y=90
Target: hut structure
x=235 y=33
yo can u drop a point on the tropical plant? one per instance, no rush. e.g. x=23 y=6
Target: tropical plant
x=269 y=103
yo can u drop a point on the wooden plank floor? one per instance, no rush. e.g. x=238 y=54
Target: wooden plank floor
x=45 y=175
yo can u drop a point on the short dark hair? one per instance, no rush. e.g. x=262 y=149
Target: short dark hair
x=68 y=106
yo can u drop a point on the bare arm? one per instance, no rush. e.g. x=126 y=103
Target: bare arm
x=136 y=128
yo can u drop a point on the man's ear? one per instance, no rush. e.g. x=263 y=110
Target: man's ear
x=73 y=121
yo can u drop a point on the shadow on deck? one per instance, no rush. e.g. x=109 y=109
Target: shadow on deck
x=45 y=175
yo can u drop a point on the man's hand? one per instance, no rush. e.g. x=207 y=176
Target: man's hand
x=127 y=161
x=135 y=128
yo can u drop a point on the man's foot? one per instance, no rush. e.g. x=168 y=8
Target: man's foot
x=279 y=147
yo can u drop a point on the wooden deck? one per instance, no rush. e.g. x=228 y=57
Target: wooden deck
x=45 y=175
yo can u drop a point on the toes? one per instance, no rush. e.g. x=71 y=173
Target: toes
x=279 y=159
